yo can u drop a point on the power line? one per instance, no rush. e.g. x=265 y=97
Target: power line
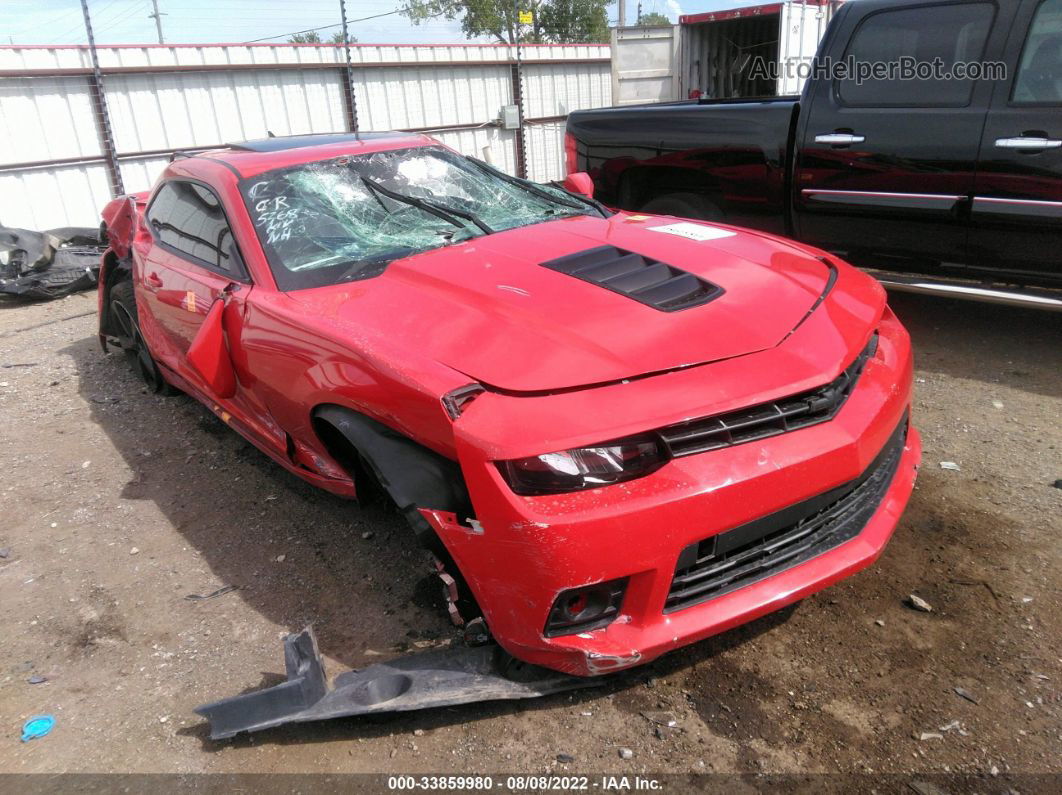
x=326 y=27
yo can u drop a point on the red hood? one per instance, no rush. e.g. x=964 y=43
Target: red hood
x=487 y=308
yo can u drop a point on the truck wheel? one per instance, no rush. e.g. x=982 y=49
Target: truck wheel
x=685 y=205
x=123 y=310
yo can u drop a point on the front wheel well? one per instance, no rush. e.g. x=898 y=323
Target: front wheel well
x=392 y=464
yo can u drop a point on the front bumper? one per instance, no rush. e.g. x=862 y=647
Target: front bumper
x=527 y=550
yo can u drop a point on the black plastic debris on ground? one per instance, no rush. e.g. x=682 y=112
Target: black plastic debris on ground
x=41 y=266
x=456 y=675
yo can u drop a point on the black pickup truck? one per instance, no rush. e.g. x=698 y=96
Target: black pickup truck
x=942 y=177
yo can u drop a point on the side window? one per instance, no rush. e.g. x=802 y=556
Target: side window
x=943 y=35
x=188 y=218
x=1039 y=79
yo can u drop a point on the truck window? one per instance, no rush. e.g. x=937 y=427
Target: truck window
x=188 y=218
x=951 y=33
x=1039 y=79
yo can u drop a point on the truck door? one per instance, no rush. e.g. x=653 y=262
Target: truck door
x=885 y=166
x=1017 y=205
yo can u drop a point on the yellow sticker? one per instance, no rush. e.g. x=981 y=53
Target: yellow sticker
x=189 y=301
x=526 y=18
x=637 y=217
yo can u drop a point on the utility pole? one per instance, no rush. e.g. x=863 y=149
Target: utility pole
x=158 y=19
x=639 y=13
x=622 y=14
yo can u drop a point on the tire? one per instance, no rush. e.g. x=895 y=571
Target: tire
x=684 y=205
x=126 y=318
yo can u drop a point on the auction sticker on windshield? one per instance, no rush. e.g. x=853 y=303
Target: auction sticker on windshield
x=692 y=231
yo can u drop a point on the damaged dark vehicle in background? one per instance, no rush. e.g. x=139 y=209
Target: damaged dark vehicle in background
x=45 y=265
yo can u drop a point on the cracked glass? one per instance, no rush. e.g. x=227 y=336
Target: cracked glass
x=347 y=218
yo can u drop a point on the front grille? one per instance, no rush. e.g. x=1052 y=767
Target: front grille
x=646 y=280
x=746 y=554
x=767 y=419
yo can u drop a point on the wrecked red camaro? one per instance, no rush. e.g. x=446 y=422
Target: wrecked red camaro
x=618 y=434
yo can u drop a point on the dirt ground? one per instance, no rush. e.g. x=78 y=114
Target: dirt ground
x=116 y=504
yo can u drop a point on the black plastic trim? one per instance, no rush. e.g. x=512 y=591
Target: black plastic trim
x=758 y=549
x=767 y=419
x=647 y=281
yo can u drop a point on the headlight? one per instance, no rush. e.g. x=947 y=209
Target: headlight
x=584 y=467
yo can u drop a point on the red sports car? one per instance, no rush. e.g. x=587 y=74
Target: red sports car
x=617 y=433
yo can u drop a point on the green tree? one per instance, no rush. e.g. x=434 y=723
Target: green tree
x=553 y=21
x=653 y=18
x=313 y=37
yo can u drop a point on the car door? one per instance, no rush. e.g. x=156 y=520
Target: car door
x=192 y=262
x=885 y=164
x=1017 y=205
x=188 y=265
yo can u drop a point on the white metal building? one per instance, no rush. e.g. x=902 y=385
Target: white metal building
x=55 y=168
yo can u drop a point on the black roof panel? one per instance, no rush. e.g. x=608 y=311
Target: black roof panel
x=283 y=142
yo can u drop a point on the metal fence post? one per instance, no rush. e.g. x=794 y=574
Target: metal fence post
x=103 y=119
x=348 y=83
x=518 y=96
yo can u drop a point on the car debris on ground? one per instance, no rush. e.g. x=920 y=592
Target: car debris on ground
x=46 y=265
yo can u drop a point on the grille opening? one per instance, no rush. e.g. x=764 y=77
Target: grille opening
x=739 y=557
x=767 y=419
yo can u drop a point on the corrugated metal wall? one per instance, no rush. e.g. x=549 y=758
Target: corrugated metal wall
x=53 y=170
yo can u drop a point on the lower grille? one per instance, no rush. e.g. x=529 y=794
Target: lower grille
x=739 y=557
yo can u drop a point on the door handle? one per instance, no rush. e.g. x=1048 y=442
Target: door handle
x=153 y=280
x=1028 y=142
x=839 y=139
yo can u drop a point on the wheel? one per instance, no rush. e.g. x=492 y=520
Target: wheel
x=685 y=205
x=123 y=310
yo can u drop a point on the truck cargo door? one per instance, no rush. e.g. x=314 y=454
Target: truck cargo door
x=885 y=165
x=645 y=64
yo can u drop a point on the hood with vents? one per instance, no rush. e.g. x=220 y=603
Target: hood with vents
x=583 y=300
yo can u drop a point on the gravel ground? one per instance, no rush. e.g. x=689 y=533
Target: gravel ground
x=116 y=504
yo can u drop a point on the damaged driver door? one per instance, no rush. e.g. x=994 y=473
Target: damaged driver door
x=196 y=285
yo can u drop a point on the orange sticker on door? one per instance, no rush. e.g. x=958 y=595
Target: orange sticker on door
x=189 y=301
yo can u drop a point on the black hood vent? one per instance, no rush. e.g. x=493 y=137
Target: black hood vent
x=647 y=281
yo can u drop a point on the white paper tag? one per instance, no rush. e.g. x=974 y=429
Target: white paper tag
x=693 y=231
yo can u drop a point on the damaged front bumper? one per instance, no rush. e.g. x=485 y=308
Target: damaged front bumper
x=457 y=675
x=780 y=504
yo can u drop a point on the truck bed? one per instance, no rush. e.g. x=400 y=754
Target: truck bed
x=727 y=154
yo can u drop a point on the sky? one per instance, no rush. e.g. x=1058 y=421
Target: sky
x=231 y=21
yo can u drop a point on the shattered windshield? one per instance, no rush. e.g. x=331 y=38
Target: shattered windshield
x=346 y=218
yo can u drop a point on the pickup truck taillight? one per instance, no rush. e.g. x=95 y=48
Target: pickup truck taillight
x=571 y=164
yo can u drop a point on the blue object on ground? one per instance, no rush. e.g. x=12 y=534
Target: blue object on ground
x=37 y=726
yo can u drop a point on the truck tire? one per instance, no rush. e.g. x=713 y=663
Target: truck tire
x=684 y=205
x=123 y=309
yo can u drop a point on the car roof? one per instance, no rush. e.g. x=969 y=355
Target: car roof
x=250 y=158
x=278 y=143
